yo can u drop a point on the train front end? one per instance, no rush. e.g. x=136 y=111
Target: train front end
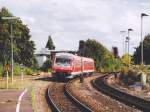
x=62 y=66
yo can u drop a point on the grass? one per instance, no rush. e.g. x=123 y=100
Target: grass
x=33 y=100
x=17 y=83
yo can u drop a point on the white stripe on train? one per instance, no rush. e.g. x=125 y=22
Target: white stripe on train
x=86 y=71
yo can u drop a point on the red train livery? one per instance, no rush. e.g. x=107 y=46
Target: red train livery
x=69 y=65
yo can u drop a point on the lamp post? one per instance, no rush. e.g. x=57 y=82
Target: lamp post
x=126 y=43
x=11 y=36
x=123 y=44
x=142 y=15
x=128 y=38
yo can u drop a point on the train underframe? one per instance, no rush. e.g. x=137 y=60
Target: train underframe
x=69 y=75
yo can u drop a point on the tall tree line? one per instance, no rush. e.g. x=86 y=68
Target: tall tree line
x=23 y=46
x=103 y=58
x=146 y=51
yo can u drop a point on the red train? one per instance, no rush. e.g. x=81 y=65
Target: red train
x=69 y=65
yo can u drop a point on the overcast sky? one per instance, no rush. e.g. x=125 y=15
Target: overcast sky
x=69 y=21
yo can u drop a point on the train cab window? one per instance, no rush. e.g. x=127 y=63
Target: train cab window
x=63 y=61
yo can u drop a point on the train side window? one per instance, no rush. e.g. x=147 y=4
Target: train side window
x=77 y=63
x=88 y=63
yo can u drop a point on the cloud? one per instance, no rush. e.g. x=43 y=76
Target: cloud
x=69 y=21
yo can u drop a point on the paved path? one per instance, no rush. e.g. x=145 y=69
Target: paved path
x=9 y=99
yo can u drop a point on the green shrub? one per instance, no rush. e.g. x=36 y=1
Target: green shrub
x=1 y=70
x=143 y=68
x=17 y=69
x=148 y=78
x=47 y=66
x=132 y=73
x=28 y=71
x=129 y=76
x=111 y=64
x=124 y=70
x=50 y=70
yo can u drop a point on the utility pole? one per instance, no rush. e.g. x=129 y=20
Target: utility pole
x=11 y=36
x=12 y=54
x=123 y=42
x=126 y=42
x=128 y=38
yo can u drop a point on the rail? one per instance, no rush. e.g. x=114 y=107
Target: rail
x=101 y=85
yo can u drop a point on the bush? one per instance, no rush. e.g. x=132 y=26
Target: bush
x=47 y=66
x=148 y=78
x=129 y=76
x=143 y=68
x=117 y=64
x=1 y=70
x=17 y=69
x=132 y=73
x=124 y=70
x=28 y=71
x=111 y=64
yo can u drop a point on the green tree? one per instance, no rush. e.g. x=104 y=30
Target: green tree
x=126 y=59
x=5 y=46
x=93 y=49
x=146 y=51
x=50 y=45
x=102 y=56
x=22 y=45
x=47 y=65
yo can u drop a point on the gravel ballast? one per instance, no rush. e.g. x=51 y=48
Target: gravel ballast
x=94 y=99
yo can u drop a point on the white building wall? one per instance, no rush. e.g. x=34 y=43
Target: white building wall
x=41 y=60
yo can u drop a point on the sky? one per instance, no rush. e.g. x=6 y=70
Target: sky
x=69 y=21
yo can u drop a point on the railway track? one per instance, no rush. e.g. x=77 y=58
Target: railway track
x=61 y=99
x=128 y=99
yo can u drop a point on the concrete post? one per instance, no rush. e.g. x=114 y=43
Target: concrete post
x=143 y=79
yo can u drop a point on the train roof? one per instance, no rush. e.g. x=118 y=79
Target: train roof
x=72 y=56
x=65 y=55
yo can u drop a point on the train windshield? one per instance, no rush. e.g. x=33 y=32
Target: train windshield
x=63 y=61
